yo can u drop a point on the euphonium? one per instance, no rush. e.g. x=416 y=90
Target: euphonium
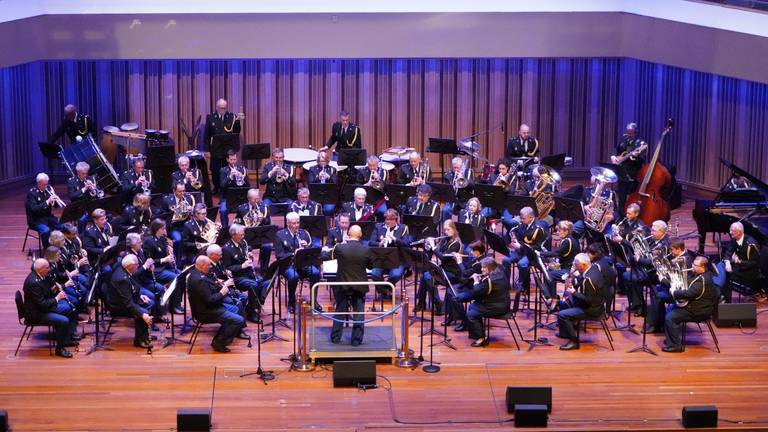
x=600 y=206
x=460 y=180
x=545 y=200
x=195 y=182
x=504 y=181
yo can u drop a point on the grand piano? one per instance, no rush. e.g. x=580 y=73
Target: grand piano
x=743 y=198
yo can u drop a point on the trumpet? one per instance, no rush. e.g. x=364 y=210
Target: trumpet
x=375 y=180
x=281 y=175
x=323 y=175
x=387 y=239
x=144 y=180
x=193 y=177
x=52 y=195
x=93 y=188
x=237 y=176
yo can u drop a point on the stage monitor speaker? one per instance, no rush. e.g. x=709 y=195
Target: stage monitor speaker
x=527 y=415
x=700 y=416
x=3 y=421
x=193 y=419
x=529 y=396
x=736 y=315
x=354 y=372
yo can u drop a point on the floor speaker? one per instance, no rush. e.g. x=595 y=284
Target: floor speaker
x=354 y=372
x=3 y=420
x=529 y=396
x=736 y=315
x=193 y=419
x=700 y=416
x=527 y=415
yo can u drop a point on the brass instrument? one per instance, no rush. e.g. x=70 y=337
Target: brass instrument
x=545 y=200
x=460 y=180
x=504 y=181
x=195 y=178
x=387 y=239
x=145 y=180
x=639 y=243
x=282 y=174
x=237 y=176
x=323 y=175
x=91 y=185
x=375 y=181
x=210 y=233
x=56 y=200
x=253 y=218
x=421 y=175
x=600 y=206
x=169 y=251
x=182 y=211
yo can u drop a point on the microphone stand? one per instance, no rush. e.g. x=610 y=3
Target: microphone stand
x=644 y=346
x=538 y=275
x=431 y=367
x=264 y=375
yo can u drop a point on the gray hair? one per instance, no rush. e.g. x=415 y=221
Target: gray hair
x=581 y=258
x=132 y=239
x=292 y=217
x=55 y=237
x=360 y=192
x=183 y=159
x=302 y=190
x=42 y=177
x=524 y=127
x=457 y=160
x=82 y=166
x=130 y=259
x=40 y=263
x=373 y=158
x=632 y=126
x=527 y=211
x=201 y=261
x=213 y=249
x=738 y=226
x=236 y=229
x=343 y=113
x=659 y=224
x=253 y=192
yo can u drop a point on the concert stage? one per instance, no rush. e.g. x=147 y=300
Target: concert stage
x=593 y=388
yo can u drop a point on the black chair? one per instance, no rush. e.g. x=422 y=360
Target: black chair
x=29 y=325
x=35 y=236
x=708 y=322
x=603 y=320
x=510 y=315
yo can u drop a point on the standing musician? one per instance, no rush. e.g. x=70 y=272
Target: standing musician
x=145 y=274
x=233 y=175
x=179 y=207
x=323 y=173
x=529 y=234
x=702 y=297
x=643 y=272
x=460 y=176
x=358 y=208
x=137 y=180
x=523 y=145
x=137 y=215
x=447 y=249
x=125 y=298
x=680 y=256
x=389 y=234
x=742 y=261
x=192 y=236
x=218 y=123
x=40 y=202
x=74 y=124
x=253 y=213
x=473 y=214
x=206 y=297
x=584 y=299
x=43 y=304
x=354 y=257
x=422 y=204
x=235 y=301
x=339 y=233
x=490 y=295
x=563 y=258
x=630 y=155
x=281 y=184
x=415 y=172
x=304 y=206
x=82 y=186
x=159 y=248
x=237 y=259
x=288 y=241
x=190 y=178
x=344 y=133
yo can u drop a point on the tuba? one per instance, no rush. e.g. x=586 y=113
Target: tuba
x=600 y=206
x=545 y=200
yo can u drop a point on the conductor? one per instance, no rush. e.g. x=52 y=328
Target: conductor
x=354 y=257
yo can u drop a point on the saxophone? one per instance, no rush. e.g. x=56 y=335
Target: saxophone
x=545 y=200
x=600 y=206
x=253 y=218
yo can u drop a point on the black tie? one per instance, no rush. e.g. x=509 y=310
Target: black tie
x=419 y=208
x=296 y=241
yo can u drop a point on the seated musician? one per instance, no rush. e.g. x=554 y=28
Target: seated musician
x=642 y=272
x=43 y=304
x=596 y=253
x=206 y=299
x=447 y=249
x=190 y=177
x=160 y=249
x=145 y=274
x=138 y=216
x=236 y=301
x=237 y=259
x=422 y=204
x=197 y=233
x=564 y=254
x=622 y=231
x=136 y=180
x=373 y=175
x=389 y=234
x=178 y=207
x=678 y=256
x=96 y=239
x=510 y=182
x=59 y=276
x=415 y=172
x=74 y=255
x=523 y=145
x=473 y=214
x=460 y=177
x=232 y=175
x=290 y=240
x=358 y=209
x=587 y=198
x=529 y=234
x=125 y=298
x=304 y=206
x=469 y=266
x=339 y=233
x=278 y=176
x=742 y=262
x=490 y=297
x=39 y=205
x=255 y=213
x=585 y=299
x=82 y=186
x=702 y=297
x=324 y=173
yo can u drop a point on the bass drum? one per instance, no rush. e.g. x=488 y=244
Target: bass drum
x=108 y=144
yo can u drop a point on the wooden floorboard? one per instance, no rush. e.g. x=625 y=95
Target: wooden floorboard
x=593 y=388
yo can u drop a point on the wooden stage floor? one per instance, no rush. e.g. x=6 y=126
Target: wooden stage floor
x=593 y=388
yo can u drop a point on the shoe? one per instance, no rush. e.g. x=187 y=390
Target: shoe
x=571 y=345
x=76 y=337
x=254 y=318
x=220 y=348
x=161 y=320
x=291 y=309
x=318 y=308
x=672 y=349
x=177 y=310
x=155 y=328
x=560 y=336
x=62 y=352
x=356 y=342
x=140 y=344
x=70 y=343
x=243 y=335
x=447 y=323
x=480 y=342
x=419 y=308
x=336 y=341
x=460 y=328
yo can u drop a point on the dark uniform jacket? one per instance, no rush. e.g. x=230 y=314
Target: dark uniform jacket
x=565 y=253
x=129 y=186
x=132 y=217
x=631 y=165
x=180 y=177
x=354 y=258
x=157 y=249
x=364 y=175
x=286 y=244
x=430 y=208
x=244 y=208
x=39 y=298
x=335 y=236
x=590 y=292
x=124 y=293
x=95 y=240
x=476 y=220
x=517 y=147
x=701 y=294
x=492 y=292
x=532 y=236
x=232 y=258
x=311 y=208
x=216 y=125
x=406 y=174
x=399 y=233
x=205 y=296
x=76 y=189
x=37 y=209
x=191 y=233
x=81 y=126
x=749 y=255
x=229 y=182
x=314 y=174
x=352 y=138
x=278 y=190
x=354 y=213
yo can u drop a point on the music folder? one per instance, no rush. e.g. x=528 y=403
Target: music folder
x=308 y=257
x=317 y=226
x=259 y=235
x=324 y=193
x=443 y=192
x=496 y=242
x=255 y=151
x=222 y=143
x=516 y=202
x=420 y=226
x=440 y=278
x=490 y=196
x=172 y=286
x=386 y=258
x=398 y=194
x=442 y=146
x=468 y=233
x=74 y=210
x=352 y=157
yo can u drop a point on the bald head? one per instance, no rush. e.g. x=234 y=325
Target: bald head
x=41 y=264
x=355 y=232
x=203 y=264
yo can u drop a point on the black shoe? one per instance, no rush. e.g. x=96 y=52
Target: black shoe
x=254 y=318
x=220 y=348
x=480 y=342
x=177 y=310
x=140 y=344
x=356 y=342
x=335 y=341
x=571 y=345
x=243 y=335
x=560 y=336
x=76 y=337
x=672 y=349
x=460 y=328
x=291 y=309
x=161 y=320
x=62 y=352
x=318 y=308
x=446 y=323
x=155 y=328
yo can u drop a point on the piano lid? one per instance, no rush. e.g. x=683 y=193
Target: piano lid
x=756 y=183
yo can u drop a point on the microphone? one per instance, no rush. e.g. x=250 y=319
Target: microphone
x=502 y=128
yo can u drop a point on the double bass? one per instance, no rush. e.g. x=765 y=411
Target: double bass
x=655 y=179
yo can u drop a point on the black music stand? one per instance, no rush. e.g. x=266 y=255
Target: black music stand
x=372 y=197
x=275 y=269
x=516 y=202
x=74 y=210
x=223 y=143
x=491 y=196
x=352 y=157
x=619 y=170
x=619 y=253
x=541 y=278
x=49 y=151
x=279 y=209
x=468 y=233
x=496 y=242
x=180 y=279
x=112 y=204
x=108 y=256
x=324 y=193
x=416 y=260
x=386 y=258
x=255 y=151
x=420 y=226
x=366 y=227
x=442 y=192
x=556 y=162
x=317 y=226
x=235 y=197
x=441 y=278
x=264 y=375
x=259 y=235
x=568 y=209
x=398 y=194
x=443 y=146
